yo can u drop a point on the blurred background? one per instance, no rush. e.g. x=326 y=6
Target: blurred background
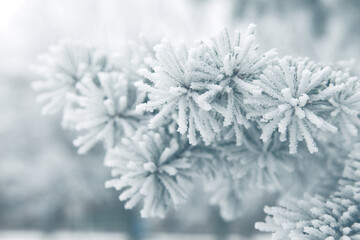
x=47 y=191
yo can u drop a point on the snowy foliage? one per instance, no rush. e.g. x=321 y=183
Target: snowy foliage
x=221 y=113
x=105 y=111
x=62 y=67
x=263 y=165
x=253 y=165
x=175 y=88
x=153 y=167
x=204 y=82
x=230 y=66
x=345 y=104
x=295 y=95
x=264 y=168
x=317 y=218
x=96 y=92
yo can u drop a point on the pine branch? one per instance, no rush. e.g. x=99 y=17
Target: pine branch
x=315 y=218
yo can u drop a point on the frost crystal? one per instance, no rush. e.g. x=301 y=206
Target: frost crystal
x=262 y=165
x=293 y=101
x=62 y=67
x=104 y=111
x=153 y=167
x=208 y=81
x=174 y=88
x=253 y=165
x=229 y=66
x=240 y=121
x=345 y=104
x=318 y=218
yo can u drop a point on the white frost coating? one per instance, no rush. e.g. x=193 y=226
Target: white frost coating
x=105 y=112
x=317 y=218
x=290 y=102
x=251 y=120
x=204 y=82
x=65 y=64
x=159 y=173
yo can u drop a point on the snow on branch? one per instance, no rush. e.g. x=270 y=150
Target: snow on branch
x=104 y=111
x=153 y=167
x=317 y=218
x=65 y=64
x=204 y=85
x=295 y=93
x=220 y=112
